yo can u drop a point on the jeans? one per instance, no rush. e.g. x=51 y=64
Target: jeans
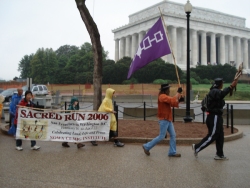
x=19 y=142
x=165 y=126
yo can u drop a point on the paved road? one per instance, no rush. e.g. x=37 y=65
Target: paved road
x=128 y=167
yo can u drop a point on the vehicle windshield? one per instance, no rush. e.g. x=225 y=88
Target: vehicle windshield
x=7 y=92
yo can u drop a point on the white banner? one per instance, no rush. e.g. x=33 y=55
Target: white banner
x=77 y=126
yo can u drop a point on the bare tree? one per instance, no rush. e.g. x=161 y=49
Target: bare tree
x=97 y=50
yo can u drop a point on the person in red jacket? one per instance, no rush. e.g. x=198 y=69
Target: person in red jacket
x=165 y=102
x=25 y=102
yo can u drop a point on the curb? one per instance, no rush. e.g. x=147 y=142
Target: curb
x=179 y=141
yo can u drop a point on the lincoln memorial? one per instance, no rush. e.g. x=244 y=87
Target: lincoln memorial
x=215 y=37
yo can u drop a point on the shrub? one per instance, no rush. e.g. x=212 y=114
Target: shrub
x=131 y=81
x=205 y=81
x=193 y=81
x=159 y=81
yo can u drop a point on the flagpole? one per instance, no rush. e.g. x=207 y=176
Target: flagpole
x=176 y=70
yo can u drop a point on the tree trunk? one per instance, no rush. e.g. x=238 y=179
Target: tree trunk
x=97 y=50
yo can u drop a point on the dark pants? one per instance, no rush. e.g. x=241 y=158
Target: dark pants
x=19 y=142
x=12 y=118
x=215 y=133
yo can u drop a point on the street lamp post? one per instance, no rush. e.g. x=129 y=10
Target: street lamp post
x=188 y=9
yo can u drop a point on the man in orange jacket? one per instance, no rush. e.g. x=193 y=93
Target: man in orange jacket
x=165 y=102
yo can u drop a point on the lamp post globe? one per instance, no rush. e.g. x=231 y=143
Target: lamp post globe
x=188 y=7
x=188 y=118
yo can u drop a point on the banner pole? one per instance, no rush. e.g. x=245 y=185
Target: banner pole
x=172 y=52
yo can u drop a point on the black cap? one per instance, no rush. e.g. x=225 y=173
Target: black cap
x=218 y=81
x=164 y=86
x=27 y=92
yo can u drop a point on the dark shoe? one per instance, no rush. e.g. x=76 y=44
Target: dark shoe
x=65 y=144
x=118 y=144
x=94 y=143
x=175 y=155
x=80 y=145
x=145 y=151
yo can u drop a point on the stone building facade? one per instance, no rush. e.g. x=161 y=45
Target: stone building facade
x=215 y=37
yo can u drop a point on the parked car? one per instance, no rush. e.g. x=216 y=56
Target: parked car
x=37 y=89
x=1 y=90
x=8 y=94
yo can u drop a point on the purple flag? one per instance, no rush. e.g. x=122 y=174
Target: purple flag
x=153 y=46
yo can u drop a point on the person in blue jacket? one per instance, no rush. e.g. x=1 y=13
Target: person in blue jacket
x=16 y=98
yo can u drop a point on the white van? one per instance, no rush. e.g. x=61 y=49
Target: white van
x=37 y=89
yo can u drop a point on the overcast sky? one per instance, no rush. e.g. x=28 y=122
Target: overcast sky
x=26 y=25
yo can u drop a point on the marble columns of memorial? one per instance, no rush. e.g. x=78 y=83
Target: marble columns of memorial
x=206 y=47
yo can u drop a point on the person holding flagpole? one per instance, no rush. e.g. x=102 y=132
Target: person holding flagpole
x=165 y=102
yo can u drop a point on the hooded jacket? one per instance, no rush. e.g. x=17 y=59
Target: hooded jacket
x=14 y=101
x=107 y=106
x=71 y=106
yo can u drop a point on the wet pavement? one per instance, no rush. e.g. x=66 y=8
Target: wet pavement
x=108 y=166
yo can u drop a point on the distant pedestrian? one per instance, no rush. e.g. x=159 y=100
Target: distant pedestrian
x=165 y=102
x=74 y=105
x=214 y=119
x=25 y=102
x=1 y=105
x=16 y=98
x=107 y=106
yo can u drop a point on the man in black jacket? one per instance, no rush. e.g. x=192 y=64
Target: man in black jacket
x=214 y=119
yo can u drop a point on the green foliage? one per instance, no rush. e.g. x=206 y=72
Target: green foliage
x=159 y=81
x=205 y=81
x=183 y=81
x=193 y=81
x=227 y=72
x=43 y=66
x=24 y=66
x=72 y=64
x=195 y=76
x=15 y=78
x=131 y=81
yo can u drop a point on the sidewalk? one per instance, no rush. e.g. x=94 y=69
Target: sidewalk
x=128 y=167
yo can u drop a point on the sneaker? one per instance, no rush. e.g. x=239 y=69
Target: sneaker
x=94 y=143
x=175 y=155
x=35 y=148
x=193 y=148
x=145 y=151
x=80 y=145
x=65 y=144
x=118 y=144
x=19 y=148
x=220 y=158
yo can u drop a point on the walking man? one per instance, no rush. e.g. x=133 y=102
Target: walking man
x=214 y=119
x=165 y=102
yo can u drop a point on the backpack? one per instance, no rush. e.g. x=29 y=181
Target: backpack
x=206 y=103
